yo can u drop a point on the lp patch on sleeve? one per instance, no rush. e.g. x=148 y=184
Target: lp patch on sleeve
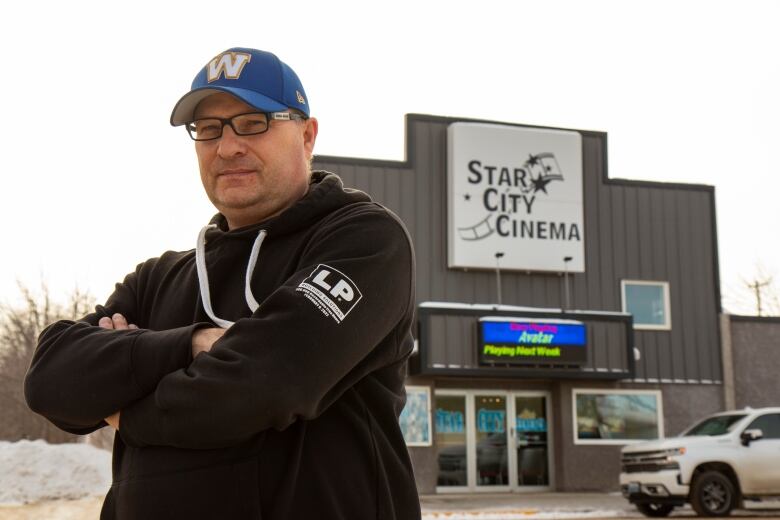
x=332 y=291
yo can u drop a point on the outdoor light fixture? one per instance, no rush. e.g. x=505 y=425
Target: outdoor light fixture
x=498 y=255
x=566 y=260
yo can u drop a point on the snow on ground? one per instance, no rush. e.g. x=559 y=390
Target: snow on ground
x=35 y=470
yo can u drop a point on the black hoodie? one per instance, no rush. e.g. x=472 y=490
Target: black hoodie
x=293 y=414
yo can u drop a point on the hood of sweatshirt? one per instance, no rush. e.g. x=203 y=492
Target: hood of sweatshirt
x=326 y=194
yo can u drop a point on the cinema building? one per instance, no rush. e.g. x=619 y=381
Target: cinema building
x=561 y=313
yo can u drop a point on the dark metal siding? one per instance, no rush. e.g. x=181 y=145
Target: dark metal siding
x=633 y=230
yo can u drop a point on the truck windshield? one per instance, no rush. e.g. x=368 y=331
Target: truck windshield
x=719 y=425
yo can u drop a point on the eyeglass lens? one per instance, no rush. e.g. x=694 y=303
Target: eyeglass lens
x=244 y=124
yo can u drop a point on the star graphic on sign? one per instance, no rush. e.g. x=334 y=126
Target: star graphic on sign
x=532 y=160
x=467 y=196
x=540 y=184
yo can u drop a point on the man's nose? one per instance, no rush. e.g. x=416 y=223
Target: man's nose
x=230 y=144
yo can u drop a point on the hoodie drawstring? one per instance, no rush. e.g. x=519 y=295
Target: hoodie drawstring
x=203 y=276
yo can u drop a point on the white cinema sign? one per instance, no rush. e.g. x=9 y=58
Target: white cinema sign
x=516 y=191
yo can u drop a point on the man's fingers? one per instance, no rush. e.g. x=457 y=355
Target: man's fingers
x=106 y=322
x=204 y=339
x=113 y=420
x=119 y=321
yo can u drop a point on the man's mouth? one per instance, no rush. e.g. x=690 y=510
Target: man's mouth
x=235 y=173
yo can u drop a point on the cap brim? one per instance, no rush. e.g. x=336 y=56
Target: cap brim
x=184 y=111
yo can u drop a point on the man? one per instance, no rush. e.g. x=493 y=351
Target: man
x=261 y=375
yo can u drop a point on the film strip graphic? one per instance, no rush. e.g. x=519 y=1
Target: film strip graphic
x=482 y=229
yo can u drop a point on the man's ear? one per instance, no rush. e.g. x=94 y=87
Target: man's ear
x=310 y=129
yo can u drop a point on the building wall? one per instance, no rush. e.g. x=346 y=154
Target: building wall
x=756 y=370
x=633 y=230
x=683 y=404
x=755 y=362
x=573 y=464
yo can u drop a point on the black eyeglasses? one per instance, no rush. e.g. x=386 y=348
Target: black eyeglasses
x=251 y=123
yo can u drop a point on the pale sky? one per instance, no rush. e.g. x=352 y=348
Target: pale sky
x=96 y=180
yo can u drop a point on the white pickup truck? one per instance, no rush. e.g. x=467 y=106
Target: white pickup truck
x=715 y=466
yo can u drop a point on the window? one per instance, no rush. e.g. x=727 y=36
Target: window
x=451 y=440
x=415 y=419
x=617 y=416
x=768 y=424
x=648 y=302
x=712 y=426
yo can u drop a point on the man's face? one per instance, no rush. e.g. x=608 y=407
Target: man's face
x=254 y=177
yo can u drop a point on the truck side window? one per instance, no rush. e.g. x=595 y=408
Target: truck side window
x=769 y=424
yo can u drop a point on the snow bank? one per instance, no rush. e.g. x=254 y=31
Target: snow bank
x=35 y=470
x=32 y=471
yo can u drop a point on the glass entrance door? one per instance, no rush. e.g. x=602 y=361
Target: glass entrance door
x=490 y=424
x=530 y=413
x=492 y=441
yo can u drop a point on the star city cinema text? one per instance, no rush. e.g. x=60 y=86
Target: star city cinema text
x=511 y=203
x=520 y=351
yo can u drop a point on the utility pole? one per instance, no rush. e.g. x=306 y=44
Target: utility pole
x=757 y=286
x=498 y=275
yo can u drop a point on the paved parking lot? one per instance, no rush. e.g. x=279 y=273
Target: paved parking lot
x=480 y=506
x=556 y=505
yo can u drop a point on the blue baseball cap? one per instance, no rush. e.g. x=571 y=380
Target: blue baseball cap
x=257 y=78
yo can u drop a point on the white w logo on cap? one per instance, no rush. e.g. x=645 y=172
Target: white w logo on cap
x=230 y=64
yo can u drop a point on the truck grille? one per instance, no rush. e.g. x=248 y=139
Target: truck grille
x=647 y=462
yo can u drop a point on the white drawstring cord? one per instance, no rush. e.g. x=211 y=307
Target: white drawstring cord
x=250 y=268
x=203 y=276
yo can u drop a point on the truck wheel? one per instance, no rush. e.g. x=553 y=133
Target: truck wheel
x=655 y=510
x=713 y=494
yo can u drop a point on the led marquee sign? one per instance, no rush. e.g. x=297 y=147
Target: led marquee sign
x=520 y=341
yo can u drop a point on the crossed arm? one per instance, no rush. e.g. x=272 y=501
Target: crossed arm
x=202 y=341
x=285 y=362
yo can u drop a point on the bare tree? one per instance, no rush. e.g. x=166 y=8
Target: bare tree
x=20 y=327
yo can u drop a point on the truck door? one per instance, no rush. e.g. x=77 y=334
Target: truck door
x=760 y=472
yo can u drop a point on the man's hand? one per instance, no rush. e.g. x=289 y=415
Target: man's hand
x=116 y=322
x=204 y=339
